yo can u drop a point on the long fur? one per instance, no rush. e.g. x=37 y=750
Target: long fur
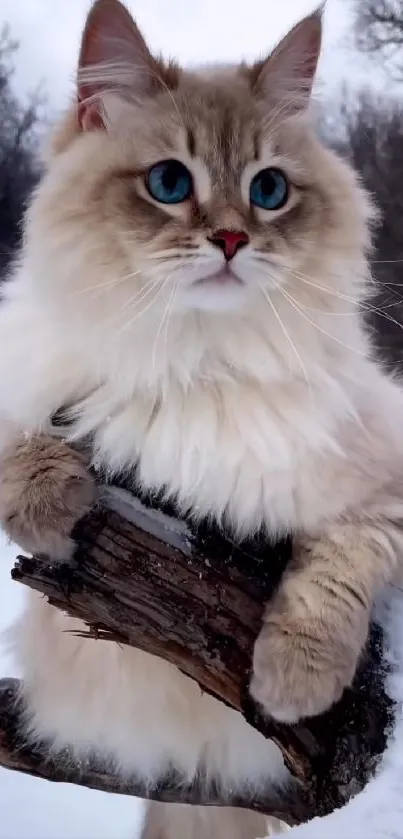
x=257 y=403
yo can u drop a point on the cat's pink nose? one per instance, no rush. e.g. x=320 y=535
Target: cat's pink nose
x=229 y=241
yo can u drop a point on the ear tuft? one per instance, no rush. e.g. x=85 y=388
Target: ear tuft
x=114 y=58
x=289 y=72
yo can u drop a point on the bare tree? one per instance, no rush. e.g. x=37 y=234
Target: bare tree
x=19 y=170
x=378 y=31
x=368 y=130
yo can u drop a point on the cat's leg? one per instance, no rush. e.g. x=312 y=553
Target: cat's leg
x=317 y=624
x=181 y=821
x=45 y=489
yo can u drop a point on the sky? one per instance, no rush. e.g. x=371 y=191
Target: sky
x=191 y=31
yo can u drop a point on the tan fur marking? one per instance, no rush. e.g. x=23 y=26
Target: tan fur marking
x=45 y=489
x=171 y=821
x=317 y=625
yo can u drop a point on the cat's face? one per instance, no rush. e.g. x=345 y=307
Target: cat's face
x=218 y=201
x=202 y=190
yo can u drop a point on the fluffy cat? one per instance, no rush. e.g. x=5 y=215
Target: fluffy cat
x=192 y=282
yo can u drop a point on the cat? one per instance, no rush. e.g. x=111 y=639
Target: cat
x=192 y=284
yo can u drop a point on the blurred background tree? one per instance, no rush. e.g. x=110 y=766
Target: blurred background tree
x=372 y=139
x=378 y=32
x=19 y=137
x=367 y=129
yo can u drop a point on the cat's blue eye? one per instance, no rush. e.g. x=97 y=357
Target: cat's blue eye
x=169 y=182
x=269 y=189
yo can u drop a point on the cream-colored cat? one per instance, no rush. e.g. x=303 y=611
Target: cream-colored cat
x=191 y=281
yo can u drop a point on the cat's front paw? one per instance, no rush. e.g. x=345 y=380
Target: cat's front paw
x=303 y=663
x=45 y=489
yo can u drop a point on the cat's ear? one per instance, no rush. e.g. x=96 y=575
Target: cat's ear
x=289 y=71
x=114 y=58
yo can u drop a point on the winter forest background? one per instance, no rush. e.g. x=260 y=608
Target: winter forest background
x=363 y=119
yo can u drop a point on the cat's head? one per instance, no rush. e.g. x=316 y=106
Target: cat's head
x=195 y=189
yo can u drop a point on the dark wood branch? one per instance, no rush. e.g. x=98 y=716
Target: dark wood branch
x=195 y=599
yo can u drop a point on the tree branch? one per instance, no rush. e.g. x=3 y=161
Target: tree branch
x=64 y=767
x=195 y=599
x=379 y=30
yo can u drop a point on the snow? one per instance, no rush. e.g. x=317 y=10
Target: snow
x=170 y=530
x=34 y=809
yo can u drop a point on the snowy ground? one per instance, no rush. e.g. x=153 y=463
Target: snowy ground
x=35 y=809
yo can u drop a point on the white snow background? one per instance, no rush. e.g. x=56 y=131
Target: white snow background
x=34 y=809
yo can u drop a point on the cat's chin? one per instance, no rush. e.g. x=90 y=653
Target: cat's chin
x=216 y=294
x=223 y=277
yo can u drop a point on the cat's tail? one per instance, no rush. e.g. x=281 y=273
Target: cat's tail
x=181 y=821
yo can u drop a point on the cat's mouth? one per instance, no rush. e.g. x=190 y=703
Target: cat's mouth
x=222 y=277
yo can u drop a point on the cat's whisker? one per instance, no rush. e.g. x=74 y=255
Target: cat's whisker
x=365 y=306
x=380 y=261
x=165 y=315
x=132 y=302
x=380 y=284
x=288 y=337
x=172 y=301
x=175 y=258
x=376 y=286
x=105 y=285
x=140 y=294
x=320 y=329
x=128 y=325
x=373 y=310
x=327 y=314
x=387 y=261
x=167 y=254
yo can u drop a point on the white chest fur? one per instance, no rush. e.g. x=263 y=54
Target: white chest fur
x=224 y=450
x=224 y=418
